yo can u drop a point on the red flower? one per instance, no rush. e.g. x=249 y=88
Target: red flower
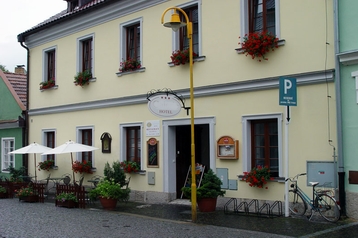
x=258 y=44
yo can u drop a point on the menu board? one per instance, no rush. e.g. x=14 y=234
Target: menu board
x=152 y=154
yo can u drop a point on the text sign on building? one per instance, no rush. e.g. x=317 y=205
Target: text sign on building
x=288 y=92
x=164 y=105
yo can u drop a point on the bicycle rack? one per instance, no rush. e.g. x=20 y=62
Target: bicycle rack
x=244 y=208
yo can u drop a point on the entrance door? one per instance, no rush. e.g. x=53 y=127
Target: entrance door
x=183 y=151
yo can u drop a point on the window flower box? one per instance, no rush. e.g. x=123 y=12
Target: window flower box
x=257 y=177
x=129 y=65
x=47 y=84
x=82 y=78
x=179 y=57
x=130 y=166
x=79 y=167
x=46 y=165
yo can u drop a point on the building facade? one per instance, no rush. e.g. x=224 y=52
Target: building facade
x=235 y=96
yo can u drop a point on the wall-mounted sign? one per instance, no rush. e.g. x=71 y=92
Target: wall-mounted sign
x=164 y=105
x=152 y=153
x=152 y=128
x=228 y=148
x=288 y=92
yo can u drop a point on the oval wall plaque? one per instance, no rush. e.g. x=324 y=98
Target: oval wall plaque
x=164 y=106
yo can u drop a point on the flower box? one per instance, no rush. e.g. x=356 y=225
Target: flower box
x=179 y=57
x=68 y=204
x=47 y=84
x=30 y=198
x=82 y=78
x=129 y=65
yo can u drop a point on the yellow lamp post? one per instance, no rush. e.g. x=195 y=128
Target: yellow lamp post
x=175 y=24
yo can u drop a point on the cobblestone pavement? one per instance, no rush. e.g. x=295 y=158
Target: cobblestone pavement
x=20 y=219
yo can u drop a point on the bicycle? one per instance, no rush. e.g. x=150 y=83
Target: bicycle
x=321 y=201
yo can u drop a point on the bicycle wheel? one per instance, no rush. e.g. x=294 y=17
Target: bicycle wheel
x=328 y=207
x=296 y=204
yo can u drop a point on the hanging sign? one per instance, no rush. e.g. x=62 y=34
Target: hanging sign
x=288 y=92
x=164 y=105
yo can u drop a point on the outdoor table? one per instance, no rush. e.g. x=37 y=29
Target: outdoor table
x=56 y=181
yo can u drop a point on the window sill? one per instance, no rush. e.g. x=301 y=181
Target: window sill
x=93 y=169
x=275 y=179
x=54 y=87
x=281 y=42
x=141 y=70
x=196 y=59
x=55 y=167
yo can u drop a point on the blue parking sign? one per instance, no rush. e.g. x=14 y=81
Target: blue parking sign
x=288 y=92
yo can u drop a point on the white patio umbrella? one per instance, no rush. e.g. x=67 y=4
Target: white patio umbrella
x=70 y=147
x=32 y=148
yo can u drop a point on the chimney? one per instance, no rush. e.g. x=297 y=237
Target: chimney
x=20 y=69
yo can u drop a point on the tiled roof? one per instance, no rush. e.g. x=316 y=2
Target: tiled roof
x=64 y=14
x=18 y=84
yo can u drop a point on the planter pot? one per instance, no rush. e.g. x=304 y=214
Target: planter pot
x=207 y=204
x=32 y=198
x=108 y=203
x=68 y=204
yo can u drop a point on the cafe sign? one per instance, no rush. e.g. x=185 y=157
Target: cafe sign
x=164 y=105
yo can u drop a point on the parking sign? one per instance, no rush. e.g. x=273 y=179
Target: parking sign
x=288 y=92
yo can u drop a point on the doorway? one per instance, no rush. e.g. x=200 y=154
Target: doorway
x=183 y=151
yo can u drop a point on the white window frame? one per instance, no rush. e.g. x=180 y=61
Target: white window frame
x=79 y=140
x=79 y=52
x=244 y=18
x=123 y=142
x=123 y=38
x=6 y=157
x=44 y=140
x=45 y=63
x=176 y=35
x=246 y=140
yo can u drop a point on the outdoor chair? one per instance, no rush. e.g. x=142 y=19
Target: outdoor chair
x=66 y=179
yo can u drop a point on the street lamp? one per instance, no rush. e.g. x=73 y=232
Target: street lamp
x=175 y=24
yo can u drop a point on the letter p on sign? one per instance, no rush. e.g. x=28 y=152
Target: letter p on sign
x=288 y=92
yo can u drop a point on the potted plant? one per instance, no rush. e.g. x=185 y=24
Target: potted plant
x=130 y=166
x=115 y=173
x=46 y=165
x=181 y=57
x=129 y=65
x=257 y=177
x=207 y=193
x=82 y=78
x=109 y=192
x=257 y=44
x=68 y=200
x=27 y=194
x=82 y=167
x=3 y=192
x=47 y=84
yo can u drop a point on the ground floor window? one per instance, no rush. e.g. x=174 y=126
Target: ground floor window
x=131 y=143
x=7 y=160
x=85 y=136
x=49 y=141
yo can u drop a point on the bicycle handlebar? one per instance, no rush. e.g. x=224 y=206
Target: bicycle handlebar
x=292 y=178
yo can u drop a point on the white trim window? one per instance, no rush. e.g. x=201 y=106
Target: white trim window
x=7 y=160
x=49 y=64
x=131 y=143
x=131 y=40
x=262 y=142
x=260 y=15
x=49 y=140
x=180 y=40
x=85 y=136
x=85 y=53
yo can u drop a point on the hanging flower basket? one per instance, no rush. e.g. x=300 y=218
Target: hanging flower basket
x=79 y=167
x=129 y=65
x=47 y=84
x=82 y=78
x=46 y=165
x=258 y=177
x=257 y=44
x=181 y=57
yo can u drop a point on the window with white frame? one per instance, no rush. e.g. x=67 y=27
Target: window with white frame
x=49 y=140
x=85 y=55
x=7 y=160
x=131 y=40
x=262 y=142
x=131 y=143
x=49 y=64
x=181 y=41
x=85 y=136
x=259 y=16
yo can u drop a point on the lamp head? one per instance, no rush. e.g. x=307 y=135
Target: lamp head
x=175 y=22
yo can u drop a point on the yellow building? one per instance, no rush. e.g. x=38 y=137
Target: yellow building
x=236 y=97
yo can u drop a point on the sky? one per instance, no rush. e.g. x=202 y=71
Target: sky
x=18 y=16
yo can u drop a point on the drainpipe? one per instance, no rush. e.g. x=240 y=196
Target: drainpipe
x=25 y=136
x=341 y=173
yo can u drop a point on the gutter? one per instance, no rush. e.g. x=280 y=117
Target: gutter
x=25 y=130
x=341 y=173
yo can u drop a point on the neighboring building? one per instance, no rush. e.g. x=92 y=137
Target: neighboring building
x=235 y=96
x=347 y=86
x=13 y=98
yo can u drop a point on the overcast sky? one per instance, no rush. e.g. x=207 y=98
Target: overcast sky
x=18 y=16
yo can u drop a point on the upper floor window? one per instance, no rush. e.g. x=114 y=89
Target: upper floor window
x=259 y=16
x=7 y=160
x=192 y=13
x=49 y=64
x=131 y=40
x=85 y=54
